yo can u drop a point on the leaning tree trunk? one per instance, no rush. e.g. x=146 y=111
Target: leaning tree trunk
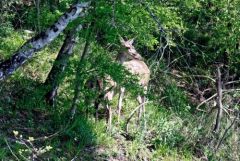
x=57 y=71
x=35 y=44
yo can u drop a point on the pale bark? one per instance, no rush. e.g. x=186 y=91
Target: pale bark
x=37 y=43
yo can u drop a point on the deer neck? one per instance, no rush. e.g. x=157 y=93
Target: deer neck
x=122 y=57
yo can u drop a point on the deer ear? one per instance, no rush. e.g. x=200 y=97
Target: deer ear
x=122 y=40
x=131 y=41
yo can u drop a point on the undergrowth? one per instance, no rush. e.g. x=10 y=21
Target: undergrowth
x=29 y=128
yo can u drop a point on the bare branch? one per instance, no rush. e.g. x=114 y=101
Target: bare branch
x=232 y=82
x=133 y=112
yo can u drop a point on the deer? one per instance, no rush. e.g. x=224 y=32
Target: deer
x=133 y=62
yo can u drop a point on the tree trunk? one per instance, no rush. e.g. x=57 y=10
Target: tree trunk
x=54 y=77
x=219 y=101
x=35 y=44
x=77 y=79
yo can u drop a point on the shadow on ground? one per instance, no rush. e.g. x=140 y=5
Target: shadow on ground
x=24 y=115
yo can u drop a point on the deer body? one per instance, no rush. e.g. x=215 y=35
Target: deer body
x=133 y=62
x=140 y=69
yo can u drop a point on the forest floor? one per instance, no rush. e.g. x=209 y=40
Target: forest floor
x=38 y=133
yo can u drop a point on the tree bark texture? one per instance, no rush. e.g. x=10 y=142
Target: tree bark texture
x=219 y=101
x=54 y=77
x=37 y=43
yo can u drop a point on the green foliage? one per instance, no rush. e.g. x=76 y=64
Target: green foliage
x=10 y=41
x=105 y=66
x=81 y=132
x=197 y=33
x=3 y=151
x=45 y=18
x=212 y=32
x=165 y=127
x=7 y=13
x=175 y=99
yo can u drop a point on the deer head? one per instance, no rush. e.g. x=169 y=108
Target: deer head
x=129 y=49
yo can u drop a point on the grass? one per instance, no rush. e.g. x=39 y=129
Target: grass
x=23 y=110
x=83 y=138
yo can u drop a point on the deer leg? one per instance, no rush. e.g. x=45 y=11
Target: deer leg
x=143 y=109
x=143 y=106
x=109 y=116
x=87 y=103
x=139 y=99
x=96 y=105
x=120 y=99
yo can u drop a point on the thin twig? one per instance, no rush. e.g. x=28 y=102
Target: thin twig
x=230 y=90
x=205 y=101
x=213 y=96
x=132 y=113
x=225 y=132
x=204 y=76
x=54 y=134
x=11 y=150
x=49 y=136
x=231 y=82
